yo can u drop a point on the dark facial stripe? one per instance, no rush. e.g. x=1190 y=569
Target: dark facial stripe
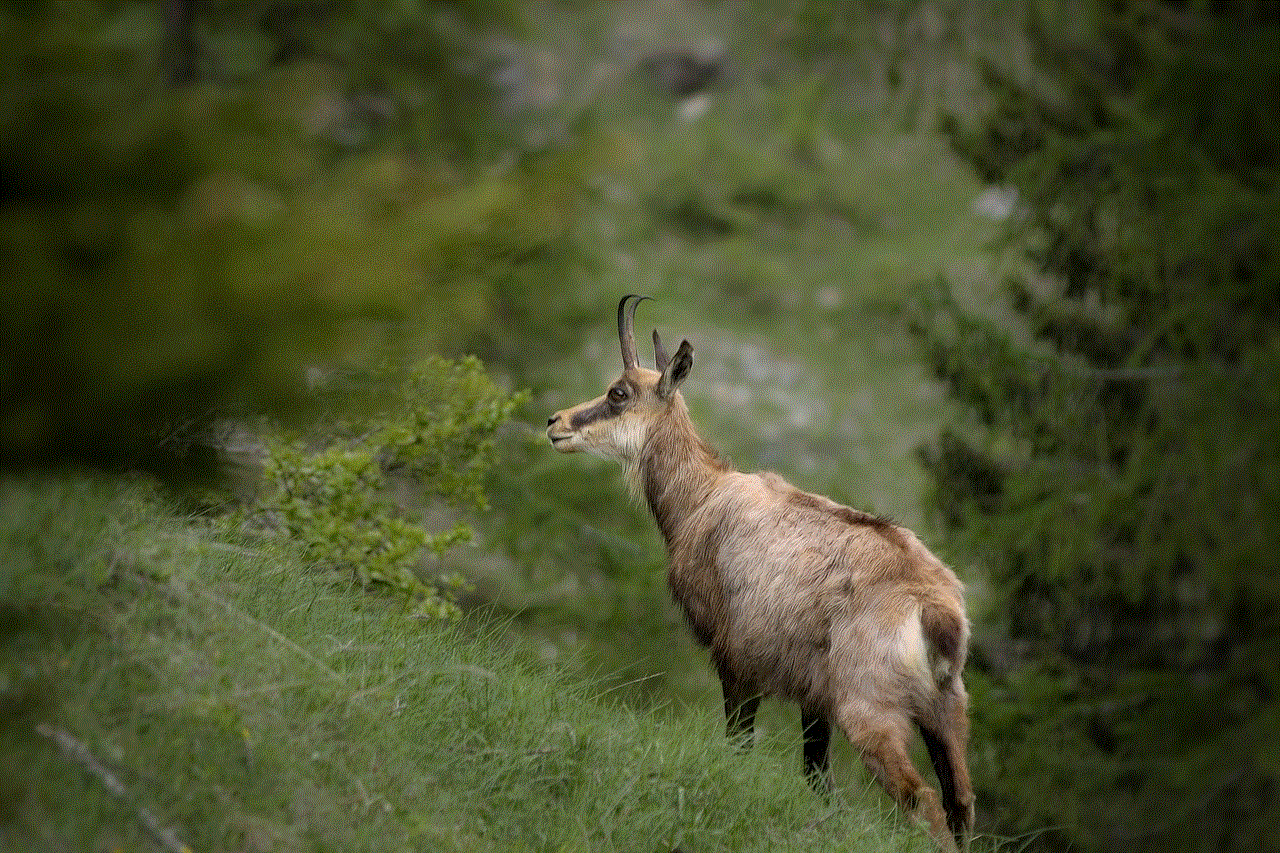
x=600 y=411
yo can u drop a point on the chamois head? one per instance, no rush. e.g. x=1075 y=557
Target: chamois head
x=616 y=424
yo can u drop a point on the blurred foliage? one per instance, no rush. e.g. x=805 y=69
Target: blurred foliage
x=355 y=499
x=199 y=201
x=903 y=58
x=1120 y=479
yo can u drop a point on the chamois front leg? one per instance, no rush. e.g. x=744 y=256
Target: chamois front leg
x=817 y=743
x=740 y=703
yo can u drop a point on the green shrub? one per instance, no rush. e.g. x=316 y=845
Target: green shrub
x=357 y=500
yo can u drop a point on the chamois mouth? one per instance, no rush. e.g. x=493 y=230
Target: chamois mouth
x=561 y=442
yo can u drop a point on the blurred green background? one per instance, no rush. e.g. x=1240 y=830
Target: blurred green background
x=1009 y=273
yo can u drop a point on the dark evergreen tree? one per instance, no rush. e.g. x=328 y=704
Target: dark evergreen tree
x=201 y=201
x=1119 y=480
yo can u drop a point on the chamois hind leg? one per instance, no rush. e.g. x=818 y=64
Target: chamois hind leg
x=817 y=748
x=946 y=735
x=880 y=737
x=740 y=703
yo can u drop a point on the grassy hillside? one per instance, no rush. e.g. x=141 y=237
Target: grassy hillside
x=249 y=705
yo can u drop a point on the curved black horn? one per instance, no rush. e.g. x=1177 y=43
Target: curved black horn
x=626 y=329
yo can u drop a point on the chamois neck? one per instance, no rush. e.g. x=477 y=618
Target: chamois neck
x=676 y=470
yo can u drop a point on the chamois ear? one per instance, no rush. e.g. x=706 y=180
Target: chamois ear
x=675 y=371
x=660 y=357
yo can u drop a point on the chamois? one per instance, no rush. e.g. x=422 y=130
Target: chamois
x=795 y=595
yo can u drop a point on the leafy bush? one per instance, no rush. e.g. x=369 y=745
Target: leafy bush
x=357 y=500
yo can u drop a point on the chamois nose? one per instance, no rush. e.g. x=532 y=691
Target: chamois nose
x=551 y=420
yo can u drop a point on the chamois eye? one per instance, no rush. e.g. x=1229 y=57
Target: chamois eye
x=618 y=394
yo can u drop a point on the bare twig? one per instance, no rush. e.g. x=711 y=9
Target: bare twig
x=76 y=751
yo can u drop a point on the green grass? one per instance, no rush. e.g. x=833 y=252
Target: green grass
x=251 y=705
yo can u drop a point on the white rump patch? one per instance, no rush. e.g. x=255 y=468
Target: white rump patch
x=913 y=649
